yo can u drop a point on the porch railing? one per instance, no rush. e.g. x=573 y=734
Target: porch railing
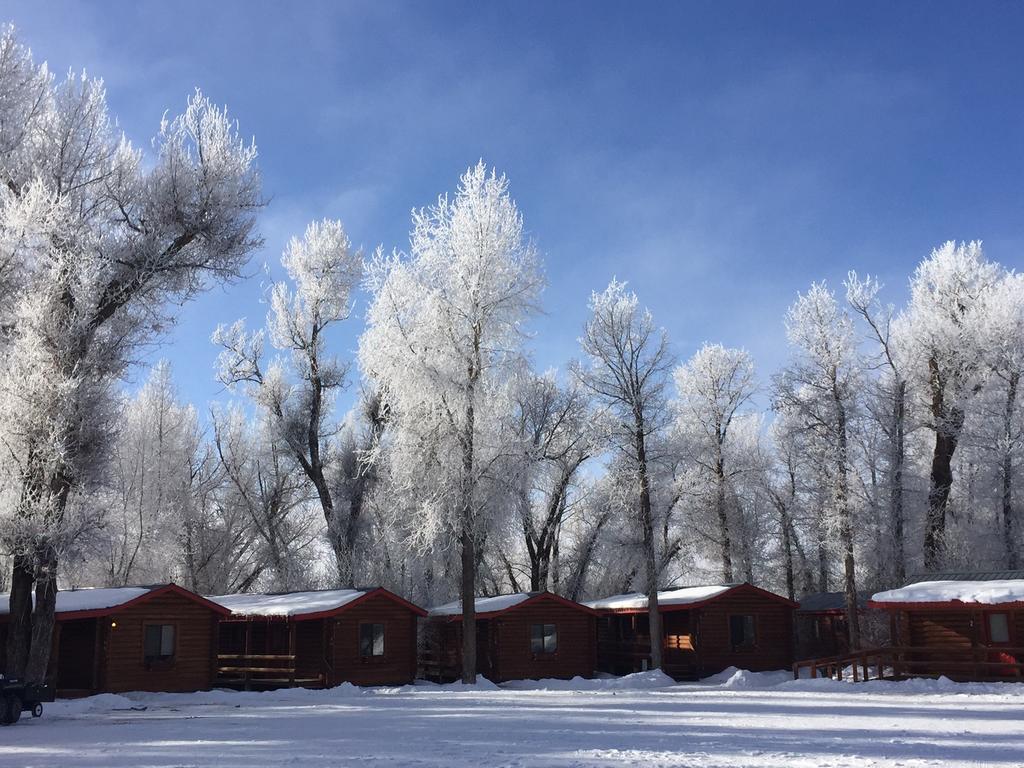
x=984 y=664
x=260 y=669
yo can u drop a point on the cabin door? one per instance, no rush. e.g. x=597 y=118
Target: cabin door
x=76 y=656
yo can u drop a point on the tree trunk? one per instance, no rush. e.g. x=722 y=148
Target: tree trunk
x=948 y=424
x=510 y=573
x=468 y=596
x=556 y=569
x=938 y=497
x=43 y=615
x=896 y=482
x=19 y=628
x=468 y=539
x=541 y=546
x=535 y=568
x=787 y=550
x=650 y=557
x=314 y=469
x=723 y=520
x=823 y=579
x=846 y=529
x=363 y=483
x=1009 y=538
x=585 y=556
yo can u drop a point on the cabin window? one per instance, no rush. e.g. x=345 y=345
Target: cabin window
x=998 y=628
x=543 y=638
x=158 y=643
x=742 y=631
x=371 y=640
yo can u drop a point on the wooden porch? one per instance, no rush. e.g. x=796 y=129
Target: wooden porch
x=259 y=655
x=633 y=654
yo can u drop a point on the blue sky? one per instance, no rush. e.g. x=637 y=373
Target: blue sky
x=718 y=156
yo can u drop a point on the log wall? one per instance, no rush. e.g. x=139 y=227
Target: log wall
x=773 y=648
x=576 y=647
x=398 y=664
x=123 y=666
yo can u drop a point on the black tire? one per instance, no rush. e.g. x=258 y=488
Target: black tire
x=10 y=709
x=37 y=710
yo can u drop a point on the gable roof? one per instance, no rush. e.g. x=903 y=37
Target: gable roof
x=92 y=602
x=305 y=606
x=489 y=607
x=685 y=598
x=953 y=593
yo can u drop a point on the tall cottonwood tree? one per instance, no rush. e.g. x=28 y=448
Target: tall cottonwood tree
x=819 y=386
x=713 y=386
x=158 y=466
x=626 y=369
x=1003 y=335
x=944 y=336
x=555 y=425
x=443 y=341
x=296 y=390
x=356 y=472
x=262 y=480
x=103 y=240
x=783 y=478
x=893 y=387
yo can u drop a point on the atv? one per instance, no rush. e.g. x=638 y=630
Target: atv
x=17 y=696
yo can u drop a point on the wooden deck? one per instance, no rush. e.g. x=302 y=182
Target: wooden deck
x=902 y=662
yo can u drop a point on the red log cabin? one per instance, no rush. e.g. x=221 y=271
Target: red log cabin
x=524 y=636
x=153 y=638
x=966 y=626
x=317 y=639
x=705 y=630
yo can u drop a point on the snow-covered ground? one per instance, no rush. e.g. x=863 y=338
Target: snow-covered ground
x=736 y=720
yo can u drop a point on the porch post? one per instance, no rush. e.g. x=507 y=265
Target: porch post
x=291 y=652
x=248 y=651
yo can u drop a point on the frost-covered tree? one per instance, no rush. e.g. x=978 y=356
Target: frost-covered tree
x=557 y=430
x=891 y=388
x=443 y=341
x=156 y=466
x=713 y=386
x=944 y=341
x=103 y=240
x=296 y=390
x=819 y=387
x=626 y=368
x=355 y=476
x=1003 y=334
x=784 y=473
x=264 y=482
x=594 y=561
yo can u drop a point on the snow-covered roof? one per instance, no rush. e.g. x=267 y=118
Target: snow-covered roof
x=98 y=601
x=989 y=592
x=88 y=599
x=484 y=604
x=671 y=597
x=289 y=603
